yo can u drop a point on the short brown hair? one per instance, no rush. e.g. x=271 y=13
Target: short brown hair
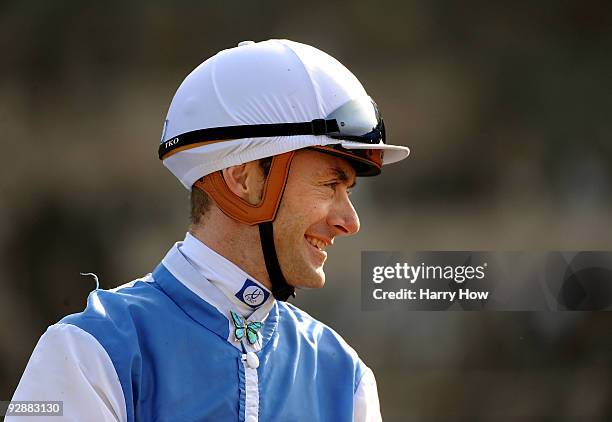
x=200 y=201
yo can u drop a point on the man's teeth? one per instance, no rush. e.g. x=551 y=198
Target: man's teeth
x=319 y=244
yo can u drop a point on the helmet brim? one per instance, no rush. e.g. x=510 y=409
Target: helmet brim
x=391 y=153
x=367 y=160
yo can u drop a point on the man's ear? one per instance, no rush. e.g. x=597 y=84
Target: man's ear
x=245 y=181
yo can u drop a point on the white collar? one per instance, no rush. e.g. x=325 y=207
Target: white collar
x=243 y=291
x=182 y=271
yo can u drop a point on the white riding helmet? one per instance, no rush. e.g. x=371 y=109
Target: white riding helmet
x=269 y=82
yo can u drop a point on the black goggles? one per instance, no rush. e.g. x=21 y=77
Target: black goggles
x=357 y=120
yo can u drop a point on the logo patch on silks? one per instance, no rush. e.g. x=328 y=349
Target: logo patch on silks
x=252 y=294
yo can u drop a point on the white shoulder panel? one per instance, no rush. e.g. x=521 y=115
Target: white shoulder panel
x=70 y=365
x=366 y=406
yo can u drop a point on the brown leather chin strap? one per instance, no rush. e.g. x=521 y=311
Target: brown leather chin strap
x=262 y=214
x=239 y=209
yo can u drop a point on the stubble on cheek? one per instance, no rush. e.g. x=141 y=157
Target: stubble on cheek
x=293 y=254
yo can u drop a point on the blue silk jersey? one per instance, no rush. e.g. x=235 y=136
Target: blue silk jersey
x=177 y=359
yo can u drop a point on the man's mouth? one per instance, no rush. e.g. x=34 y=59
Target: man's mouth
x=316 y=242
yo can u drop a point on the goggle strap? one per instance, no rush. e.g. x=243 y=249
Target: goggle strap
x=315 y=127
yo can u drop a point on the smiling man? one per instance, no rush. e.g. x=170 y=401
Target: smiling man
x=315 y=208
x=269 y=137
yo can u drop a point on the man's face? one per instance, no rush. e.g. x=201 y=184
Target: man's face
x=314 y=210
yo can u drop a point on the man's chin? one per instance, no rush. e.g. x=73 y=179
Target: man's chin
x=315 y=280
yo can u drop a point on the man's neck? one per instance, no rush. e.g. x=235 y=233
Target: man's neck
x=234 y=241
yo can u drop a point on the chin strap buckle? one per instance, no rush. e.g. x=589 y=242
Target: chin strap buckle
x=283 y=293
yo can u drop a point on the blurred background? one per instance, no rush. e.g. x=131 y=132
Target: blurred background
x=506 y=107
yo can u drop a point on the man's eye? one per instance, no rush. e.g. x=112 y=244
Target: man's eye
x=334 y=185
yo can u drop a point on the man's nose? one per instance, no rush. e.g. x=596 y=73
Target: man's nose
x=343 y=217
